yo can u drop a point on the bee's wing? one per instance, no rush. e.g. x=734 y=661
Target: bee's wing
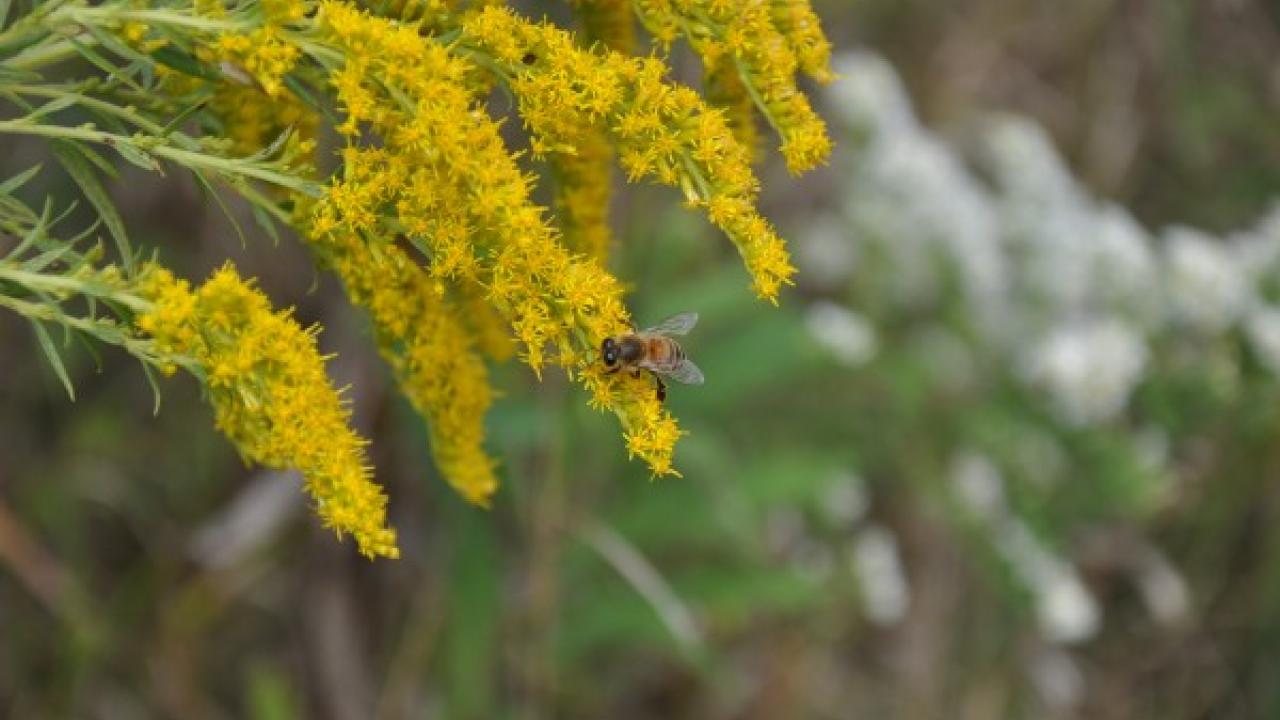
x=683 y=372
x=675 y=325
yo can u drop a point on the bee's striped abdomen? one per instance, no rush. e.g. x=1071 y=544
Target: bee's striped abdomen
x=664 y=353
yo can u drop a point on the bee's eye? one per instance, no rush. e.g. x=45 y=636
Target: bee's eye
x=609 y=351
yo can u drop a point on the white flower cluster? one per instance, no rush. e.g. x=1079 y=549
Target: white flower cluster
x=1088 y=368
x=1069 y=289
x=1066 y=611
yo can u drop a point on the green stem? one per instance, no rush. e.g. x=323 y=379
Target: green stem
x=64 y=284
x=745 y=78
x=48 y=53
x=89 y=102
x=112 y=334
x=224 y=166
x=695 y=174
x=104 y=14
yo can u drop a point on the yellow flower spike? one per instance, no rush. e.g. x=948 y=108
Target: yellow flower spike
x=583 y=177
x=270 y=394
x=492 y=334
x=255 y=113
x=464 y=201
x=421 y=336
x=609 y=22
x=649 y=430
x=725 y=89
x=263 y=54
x=766 y=43
x=448 y=383
x=583 y=193
x=662 y=131
x=799 y=25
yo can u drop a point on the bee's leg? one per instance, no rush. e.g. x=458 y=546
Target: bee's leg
x=662 y=389
x=613 y=370
x=635 y=372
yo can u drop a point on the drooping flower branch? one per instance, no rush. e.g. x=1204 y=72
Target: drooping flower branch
x=429 y=219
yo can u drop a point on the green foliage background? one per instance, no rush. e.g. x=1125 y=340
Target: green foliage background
x=590 y=591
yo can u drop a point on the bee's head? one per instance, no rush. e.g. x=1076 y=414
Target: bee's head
x=609 y=352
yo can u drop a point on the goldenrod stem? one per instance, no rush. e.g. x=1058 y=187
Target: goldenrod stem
x=225 y=166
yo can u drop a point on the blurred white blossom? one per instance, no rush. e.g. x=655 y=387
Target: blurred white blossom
x=1257 y=251
x=825 y=252
x=1206 y=286
x=1065 y=609
x=1067 y=612
x=1124 y=273
x=1263 y=329
x=1088 y=369
x=1058 y=679
x=912 y=197
x=845 y=499
x=1046 y=219
x=869 y=95
x=977 y=250
x=845 y=333
x=1164 y=590
x=978 y=485
x=876 y=561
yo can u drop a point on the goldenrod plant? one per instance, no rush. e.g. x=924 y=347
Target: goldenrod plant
x=372 y=132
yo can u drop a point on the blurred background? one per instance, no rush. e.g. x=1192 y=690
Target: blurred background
x=1008 y=450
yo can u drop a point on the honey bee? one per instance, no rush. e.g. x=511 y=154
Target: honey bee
x=654 y=350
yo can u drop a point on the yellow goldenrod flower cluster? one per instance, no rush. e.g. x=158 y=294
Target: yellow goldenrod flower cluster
x=252 y=120
x=583 y=176
x=432 y=353
x=662 y=131
x=582 y=181
x=452 y=188
x=800 y=29
x=266 y=381
x=649 y=430
x=766 y=42
x=263 y=54
x=608 y=22
x=725 y=89
x=253 y=105
x=428 y=217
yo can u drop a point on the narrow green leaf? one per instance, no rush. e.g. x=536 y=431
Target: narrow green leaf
x=37 y=231
x=113 y=71
x=75 y=164
x=112 y=43
x=182 y=116
x=265 y=222
x=295 y=84
x=93 y=156
x=91 y=349
x=155 y=386
x=80 y=236
x=46 y=258
x=184 y=62
x=66 y=212
x=109 y=122
x=138 y=157
x=53 y=106
x=11 y=75
x=12 y=184
x=46 y=344
x=213 y=192
x=271 y=150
